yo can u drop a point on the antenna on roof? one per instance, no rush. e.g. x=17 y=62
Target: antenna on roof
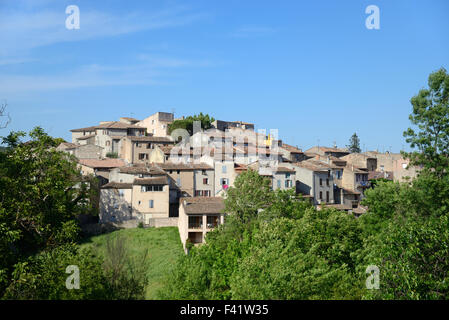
x=335 y=144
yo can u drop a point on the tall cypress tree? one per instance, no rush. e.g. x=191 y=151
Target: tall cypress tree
x=354 y=144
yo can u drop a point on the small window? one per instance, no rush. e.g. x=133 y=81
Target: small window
x=151 y=203
x=327 y=182
x=321 y=195
x=205 y=181
x=321 y=183
x=279 y=183
x=223 y=169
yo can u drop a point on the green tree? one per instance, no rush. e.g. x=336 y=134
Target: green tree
x=431 y=117
x=43 y=276
x=41 y=193
x=354 y=144
x=187 y=123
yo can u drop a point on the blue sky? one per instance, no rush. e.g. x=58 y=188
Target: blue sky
x=310 y=69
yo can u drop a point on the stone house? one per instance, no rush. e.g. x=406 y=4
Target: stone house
x=198 y=216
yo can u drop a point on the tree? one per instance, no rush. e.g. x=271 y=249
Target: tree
x=187 y=123
x=431 y=116
x=41 y=193
x=250 y=193
x=3 y=114
x=354 y=144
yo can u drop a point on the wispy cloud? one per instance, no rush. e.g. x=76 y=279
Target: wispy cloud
x=150 y=70
x=253 y=31
x=24 y=31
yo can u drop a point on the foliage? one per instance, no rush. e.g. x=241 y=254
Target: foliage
x=125 y=276
x=187 y=123
x=113 y=155
x=413 y=256
x=44 y=276
x=354 y=144
x=163 y=245
x=431 y=116
x=292 y=253
x=41 y=193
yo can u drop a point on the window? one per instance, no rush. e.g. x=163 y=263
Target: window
x=288 y=183
x=327 y=182
x=202 y=193
x=321 y=195
x=213 y=221
x=151 y=203
x=321 y=182
x=223 y=181
x=195 y=222
x=121 y=193
x=178 y=172
x=279 y=183
x=327 y=196
x=404 y=166
x=155 y=188
x=205 y=181
x=287 y=176
x=223 y=169
x=203 y=172
x=143 y=156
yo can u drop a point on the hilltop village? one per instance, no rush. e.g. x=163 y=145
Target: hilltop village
x=151 y=178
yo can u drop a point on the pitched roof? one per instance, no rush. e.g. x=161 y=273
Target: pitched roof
x=109 y=125
x=201 y=205
x=163 y=180
x=92 y=128
x=86 y=137
x=284 y=169
x=118 y=125
x=67 y=145
x=184 y=166
x=104 y=163
x=314 y=165
x=150 y=139
x=142 y=169
x=291 y=149
x=117 y=185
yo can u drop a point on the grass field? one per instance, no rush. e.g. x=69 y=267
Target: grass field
x=163 y=244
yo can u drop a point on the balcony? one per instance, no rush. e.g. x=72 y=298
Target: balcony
x=362 y=184
x=195 y=222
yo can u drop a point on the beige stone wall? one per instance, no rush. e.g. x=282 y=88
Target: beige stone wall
x=156 y=125
x=183 y=225
x=161 y=202
x=186 y=179
x=115 y=206
x=199 y=176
